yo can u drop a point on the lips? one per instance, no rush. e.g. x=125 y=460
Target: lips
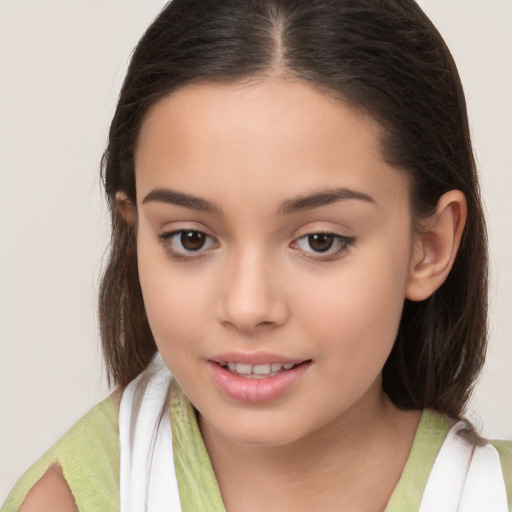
x=253 y=378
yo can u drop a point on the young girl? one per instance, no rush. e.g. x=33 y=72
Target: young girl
x=298 y=240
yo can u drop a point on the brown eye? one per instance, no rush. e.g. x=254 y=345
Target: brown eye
x=320 y=242
x=323 y=246
x=184 y=244
x=192 y=240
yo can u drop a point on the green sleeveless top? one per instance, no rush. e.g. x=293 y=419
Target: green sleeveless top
x=89 y=457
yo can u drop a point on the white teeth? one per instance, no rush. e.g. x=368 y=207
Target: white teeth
x=261 y=369
x=257 y=370
x=244 y=368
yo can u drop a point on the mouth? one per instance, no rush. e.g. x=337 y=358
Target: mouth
x=257 y=381
x=256 y=371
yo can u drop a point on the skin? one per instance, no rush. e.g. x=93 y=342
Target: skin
x=247 y=149
x=258 y=286
x=51 y=492
x=332 y=440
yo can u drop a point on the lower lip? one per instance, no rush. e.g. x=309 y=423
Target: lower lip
x=255 y=390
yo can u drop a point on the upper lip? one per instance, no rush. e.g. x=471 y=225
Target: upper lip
x=254 y=358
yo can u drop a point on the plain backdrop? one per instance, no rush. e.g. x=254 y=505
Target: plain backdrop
x=61 y=66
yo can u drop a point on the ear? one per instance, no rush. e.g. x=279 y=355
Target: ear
x=126 y=208
x=435 y=247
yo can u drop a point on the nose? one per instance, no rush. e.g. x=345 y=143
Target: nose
x=253 y=294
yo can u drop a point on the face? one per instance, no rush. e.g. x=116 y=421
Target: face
x=274 y=247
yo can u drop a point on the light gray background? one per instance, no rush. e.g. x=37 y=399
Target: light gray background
x=61 y=65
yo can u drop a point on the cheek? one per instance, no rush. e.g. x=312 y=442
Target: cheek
x=173 y=305
x=356 y=314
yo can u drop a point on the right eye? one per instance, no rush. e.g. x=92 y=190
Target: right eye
x=185 y=243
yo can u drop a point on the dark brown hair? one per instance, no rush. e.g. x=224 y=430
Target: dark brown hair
x=382 y=56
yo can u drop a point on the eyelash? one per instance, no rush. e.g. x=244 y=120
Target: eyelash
x=342 y=244
x=183 y=254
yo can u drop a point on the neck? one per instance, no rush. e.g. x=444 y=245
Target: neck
x=358 y=456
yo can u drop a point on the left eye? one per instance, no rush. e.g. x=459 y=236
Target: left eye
x=323 y=243
x=187 y=241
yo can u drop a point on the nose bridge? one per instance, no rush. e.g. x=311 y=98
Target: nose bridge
x=252 y=296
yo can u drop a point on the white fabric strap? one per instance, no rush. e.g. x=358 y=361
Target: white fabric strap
x=147 y=480
x=465 y=478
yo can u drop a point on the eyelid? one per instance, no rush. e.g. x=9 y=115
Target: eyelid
x=345 y=242
x=341 y=244
x=183 y=254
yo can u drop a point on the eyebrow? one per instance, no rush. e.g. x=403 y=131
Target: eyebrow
x=288 y=207
x=322 y=198
x=163 y=195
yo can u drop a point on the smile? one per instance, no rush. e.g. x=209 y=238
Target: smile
x=256 y=371
x=256 y=383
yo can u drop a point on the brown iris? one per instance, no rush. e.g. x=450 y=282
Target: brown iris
x=192 y=240
x=320 y=242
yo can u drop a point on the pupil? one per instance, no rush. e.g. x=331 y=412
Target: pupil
x=192 y=240
x=320 y=242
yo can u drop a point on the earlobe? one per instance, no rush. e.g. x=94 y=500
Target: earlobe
x=435 y=248
x=126 y=208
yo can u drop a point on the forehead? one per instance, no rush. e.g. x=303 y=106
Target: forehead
x=260 y=138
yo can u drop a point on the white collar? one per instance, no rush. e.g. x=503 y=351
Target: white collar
x=147 y=476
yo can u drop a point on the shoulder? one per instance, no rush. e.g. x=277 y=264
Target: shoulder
x=431 y=436
x=51 y=493
x=504 y=449
x=83 y=464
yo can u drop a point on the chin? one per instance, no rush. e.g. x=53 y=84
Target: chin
x=270 y=439
x=256 y=432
